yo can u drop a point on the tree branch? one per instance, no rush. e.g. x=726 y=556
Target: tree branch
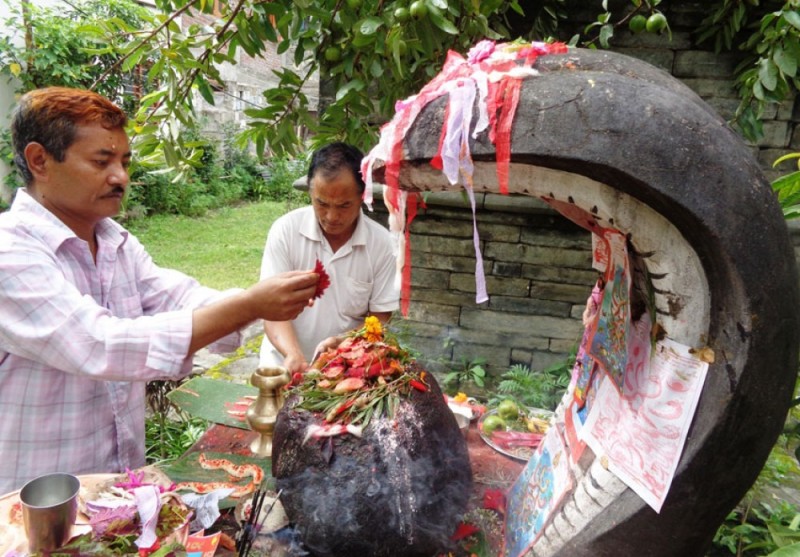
x=144 y=41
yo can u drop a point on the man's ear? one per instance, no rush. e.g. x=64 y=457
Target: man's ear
x=37 y=158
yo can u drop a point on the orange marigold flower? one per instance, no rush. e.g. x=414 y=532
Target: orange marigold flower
x=373 y=328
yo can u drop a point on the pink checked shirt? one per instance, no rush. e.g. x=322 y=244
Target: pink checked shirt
x=78 y=341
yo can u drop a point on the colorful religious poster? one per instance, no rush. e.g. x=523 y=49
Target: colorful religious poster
x=575 y=415
x=536 y=494
x=600 y=253
x=642 y=430
x=609 y=344
x=584 y=368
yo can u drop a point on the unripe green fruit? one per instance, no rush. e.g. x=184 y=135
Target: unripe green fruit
x=508 y=410
x=418 y=9
x=401 y=14
x=656 y=22
x=333 y=54
x=638 y=23
x=493 y=423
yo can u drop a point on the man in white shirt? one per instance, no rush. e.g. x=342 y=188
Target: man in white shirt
x=356 y=251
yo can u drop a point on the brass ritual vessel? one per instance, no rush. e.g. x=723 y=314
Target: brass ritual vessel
x=261 y=415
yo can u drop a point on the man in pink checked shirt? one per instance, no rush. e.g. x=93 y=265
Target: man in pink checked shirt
x=86 y=317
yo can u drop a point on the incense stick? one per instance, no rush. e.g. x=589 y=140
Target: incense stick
x=252 y=526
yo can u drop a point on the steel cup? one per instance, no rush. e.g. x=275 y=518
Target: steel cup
x=49 y=509
x=463 y=423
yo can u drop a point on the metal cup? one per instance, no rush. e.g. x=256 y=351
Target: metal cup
x=463 y=423
x=49 y=509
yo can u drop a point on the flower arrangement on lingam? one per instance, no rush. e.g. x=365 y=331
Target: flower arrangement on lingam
x=366 y=439
x=363 y=377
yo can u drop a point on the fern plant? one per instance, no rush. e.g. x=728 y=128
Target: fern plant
x=538 y=389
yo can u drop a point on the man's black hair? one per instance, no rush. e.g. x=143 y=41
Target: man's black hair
x=328 y=161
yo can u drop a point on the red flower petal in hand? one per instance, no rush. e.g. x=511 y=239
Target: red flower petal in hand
x=324 y=279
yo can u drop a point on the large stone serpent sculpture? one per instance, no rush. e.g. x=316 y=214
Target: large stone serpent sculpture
x=633 y=146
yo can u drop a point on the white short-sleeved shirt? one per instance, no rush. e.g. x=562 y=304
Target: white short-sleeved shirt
x=362 y=276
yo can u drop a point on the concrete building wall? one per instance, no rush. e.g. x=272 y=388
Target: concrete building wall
x=242 y=86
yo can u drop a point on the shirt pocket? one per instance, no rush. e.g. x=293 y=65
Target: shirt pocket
x=357 y=295
x=128 y=307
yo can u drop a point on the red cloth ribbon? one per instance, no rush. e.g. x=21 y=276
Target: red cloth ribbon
x=510 y=90
x=405 y=285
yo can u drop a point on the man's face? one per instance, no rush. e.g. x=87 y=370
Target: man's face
x=89 y=184
x=337 y=205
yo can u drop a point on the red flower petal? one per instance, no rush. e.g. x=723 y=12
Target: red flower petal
x=495 y=500
x=464 y=530
x=324 y=279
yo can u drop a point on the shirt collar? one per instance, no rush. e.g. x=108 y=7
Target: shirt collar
x=54 y=232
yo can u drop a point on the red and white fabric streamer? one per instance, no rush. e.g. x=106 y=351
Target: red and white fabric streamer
x=491 y=77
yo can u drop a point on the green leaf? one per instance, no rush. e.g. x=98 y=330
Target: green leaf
x=750 y=124
x=205 y=90
x=606 y=32
x=439 y=21
x=370 y=25
x=788 y=184
x=787 y=551
x=758 y=91
x=784 y=61
x=793 y=18
x=376 y=68
x=354 y=85
x=768 y=74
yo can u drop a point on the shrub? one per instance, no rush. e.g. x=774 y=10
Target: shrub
x=280 y=175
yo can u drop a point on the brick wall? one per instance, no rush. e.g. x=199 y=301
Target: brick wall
x=708 y=74
x=538 y=275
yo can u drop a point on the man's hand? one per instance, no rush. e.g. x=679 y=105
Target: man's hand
x=328 y=343
x=282 y=297
x=295 y=363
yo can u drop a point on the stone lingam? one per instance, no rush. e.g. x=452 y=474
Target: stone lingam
x=397 y=486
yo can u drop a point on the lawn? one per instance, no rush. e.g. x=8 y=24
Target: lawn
x=222 y=249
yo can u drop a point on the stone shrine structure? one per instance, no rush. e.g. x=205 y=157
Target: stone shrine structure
x=605 y=135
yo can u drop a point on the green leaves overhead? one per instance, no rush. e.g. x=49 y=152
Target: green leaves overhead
x=769 y=35
x=360 y=56
x=370 y=53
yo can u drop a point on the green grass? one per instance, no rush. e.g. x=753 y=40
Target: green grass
x=222 y=249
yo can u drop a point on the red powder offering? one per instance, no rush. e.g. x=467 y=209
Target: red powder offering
x=324 y=279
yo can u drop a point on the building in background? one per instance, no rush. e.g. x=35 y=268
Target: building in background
x=241 y=88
